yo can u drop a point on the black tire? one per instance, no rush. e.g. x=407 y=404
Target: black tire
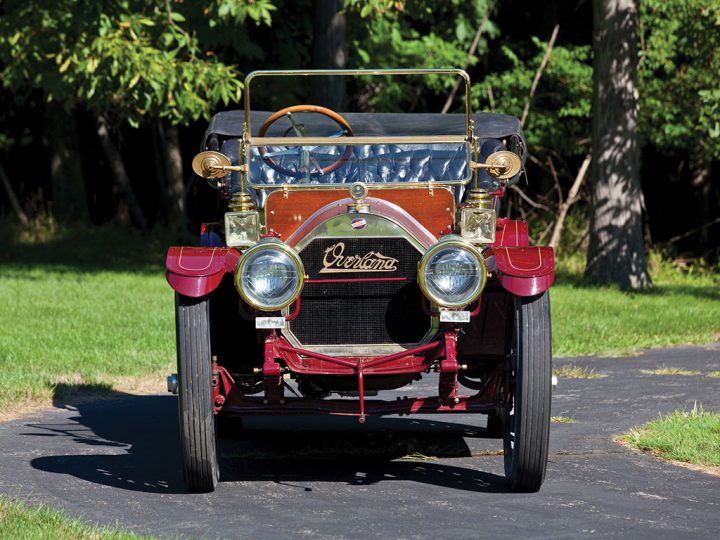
x=197 y=423
x=495 y=427
x=527 y=424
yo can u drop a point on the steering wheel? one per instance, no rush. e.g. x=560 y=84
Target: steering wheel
x=317 y=170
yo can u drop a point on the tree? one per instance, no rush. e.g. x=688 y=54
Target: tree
x=412 y=34
x=561 y=112
x=680 y=97
x=616 y=253
x=329 y=52
x=126 y=61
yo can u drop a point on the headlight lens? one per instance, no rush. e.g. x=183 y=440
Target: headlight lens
x=452 y=273
x=269 y=275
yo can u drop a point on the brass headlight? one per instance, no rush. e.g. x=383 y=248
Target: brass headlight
x=452 y=273
x=269 y=275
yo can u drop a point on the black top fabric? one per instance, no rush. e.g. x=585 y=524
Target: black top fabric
x=229 y=125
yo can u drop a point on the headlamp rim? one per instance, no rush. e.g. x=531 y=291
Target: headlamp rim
x=267 y=244
x=448 y=242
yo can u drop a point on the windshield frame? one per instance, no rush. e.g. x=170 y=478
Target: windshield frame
x=248 y=141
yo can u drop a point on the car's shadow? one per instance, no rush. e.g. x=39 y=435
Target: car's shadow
x=133 y=443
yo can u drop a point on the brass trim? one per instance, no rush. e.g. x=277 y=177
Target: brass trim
x=358 y=191
x=262 y=245
x=287 y=188
x=352 y=141
x=211 y=164
x=241 y=202
x=501 y=165
x=458 y=242
x=479 y=198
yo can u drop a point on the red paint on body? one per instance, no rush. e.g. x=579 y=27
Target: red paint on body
x=197 y=271
x=524 y=271
x=511 y=232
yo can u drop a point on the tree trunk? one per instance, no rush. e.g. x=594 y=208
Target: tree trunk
x=19 y=212
x=701 y=183
x=616 y=253
x=170 y=147
x=69 y=201
x=122 y=180
x=329 y=52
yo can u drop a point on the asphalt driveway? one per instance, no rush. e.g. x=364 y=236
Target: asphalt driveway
x=417 y=477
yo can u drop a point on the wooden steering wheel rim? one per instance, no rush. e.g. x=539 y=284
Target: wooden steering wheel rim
x=339 y=120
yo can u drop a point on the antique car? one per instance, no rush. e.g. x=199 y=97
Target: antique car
x=360 y=252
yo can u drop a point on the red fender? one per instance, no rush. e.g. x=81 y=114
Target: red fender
x=511 y=232
x=524 y=271
x=197 y=271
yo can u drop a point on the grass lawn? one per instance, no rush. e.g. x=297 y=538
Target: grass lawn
x=84 y=312
x=690 y=437
x=18 y=520
x=92 y=311
x=682 y=308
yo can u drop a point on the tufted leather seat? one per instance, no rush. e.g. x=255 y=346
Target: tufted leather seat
x=377 y=163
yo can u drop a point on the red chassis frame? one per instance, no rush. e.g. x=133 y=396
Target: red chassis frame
x=229 y=398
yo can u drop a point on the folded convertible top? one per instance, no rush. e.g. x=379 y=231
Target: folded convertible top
x=229 y=125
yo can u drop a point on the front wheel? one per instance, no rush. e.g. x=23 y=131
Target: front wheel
x=527 y=424
x=197 y=425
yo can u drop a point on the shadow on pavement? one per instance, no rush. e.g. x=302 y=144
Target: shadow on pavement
x=128 y=443
x=133 y=443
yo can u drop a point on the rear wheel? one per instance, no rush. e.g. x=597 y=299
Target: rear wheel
x=197 y=425
x=527 y=424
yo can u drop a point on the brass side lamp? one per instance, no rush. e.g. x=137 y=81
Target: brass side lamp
x=242 y=224
x=477 y=216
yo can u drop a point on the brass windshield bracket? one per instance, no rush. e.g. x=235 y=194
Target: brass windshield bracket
x=501 y=165
x=211 y=164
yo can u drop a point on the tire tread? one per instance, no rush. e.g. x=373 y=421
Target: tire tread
x=533 y=341
x=197 y=424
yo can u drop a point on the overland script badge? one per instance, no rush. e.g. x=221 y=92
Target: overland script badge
x=335 y=261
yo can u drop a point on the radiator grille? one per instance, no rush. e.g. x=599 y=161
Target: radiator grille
x=386 y=310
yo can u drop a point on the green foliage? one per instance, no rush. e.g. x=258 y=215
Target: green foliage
x=423 y=34
x=374 y=8
x=560 y=111
x=129 y=58
x=239 y=12
x=678 y=75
